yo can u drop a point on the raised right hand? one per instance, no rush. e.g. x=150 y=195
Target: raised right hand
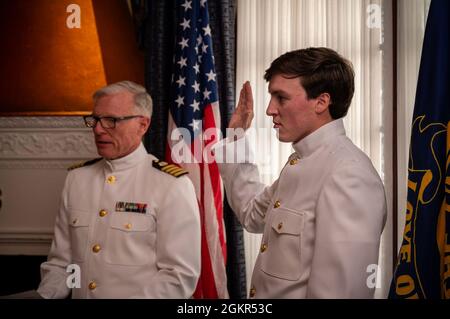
x=243 y=114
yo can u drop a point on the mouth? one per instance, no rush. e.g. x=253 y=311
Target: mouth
x=102 y=143
x=276 y=124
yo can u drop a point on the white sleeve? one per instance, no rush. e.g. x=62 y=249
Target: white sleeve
x=247 y=196
x=350 y=217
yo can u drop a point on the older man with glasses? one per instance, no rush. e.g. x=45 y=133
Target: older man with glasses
x=128 y=225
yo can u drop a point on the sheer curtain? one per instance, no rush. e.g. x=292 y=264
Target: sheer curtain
x=412 y=16
x=354 y=28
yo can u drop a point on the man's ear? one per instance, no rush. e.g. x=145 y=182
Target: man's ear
x=322 y=103
x=144 y=124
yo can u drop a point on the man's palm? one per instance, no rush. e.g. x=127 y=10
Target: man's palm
x=243 y=114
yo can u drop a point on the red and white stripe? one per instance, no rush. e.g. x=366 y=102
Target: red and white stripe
x=209 y=189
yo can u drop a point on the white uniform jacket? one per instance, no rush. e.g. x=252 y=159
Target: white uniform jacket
x=321 y=219
x=133 y=230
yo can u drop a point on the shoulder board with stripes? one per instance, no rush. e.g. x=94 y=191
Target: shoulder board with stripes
x=82 y=164
x=171 y=169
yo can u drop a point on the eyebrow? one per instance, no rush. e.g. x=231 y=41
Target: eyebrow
x=278 y=92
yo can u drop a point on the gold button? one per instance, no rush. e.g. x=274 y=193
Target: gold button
x=92 y=285
x=102 y=213
x=263 y=248
x=75 y=221
x=280 y=225
x=277 y=204
x=252 y=292
x=293 y=161
x=111 y=179
x=96 y=248
x=128 y=226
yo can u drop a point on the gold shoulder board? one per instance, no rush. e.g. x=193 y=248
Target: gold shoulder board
x=87 y=163
x=171 y=169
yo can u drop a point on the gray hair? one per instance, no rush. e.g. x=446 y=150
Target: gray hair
x=142 y=100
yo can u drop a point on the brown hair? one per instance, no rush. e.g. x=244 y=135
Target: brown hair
x=321 y=70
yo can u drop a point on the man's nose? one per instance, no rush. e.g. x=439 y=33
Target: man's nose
x=271 y=109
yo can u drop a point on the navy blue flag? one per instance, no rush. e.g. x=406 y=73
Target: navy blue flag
x=423 y=269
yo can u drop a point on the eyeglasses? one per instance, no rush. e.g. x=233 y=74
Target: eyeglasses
x=106 y=121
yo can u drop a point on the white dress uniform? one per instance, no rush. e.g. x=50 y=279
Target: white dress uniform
x=132 y=228
x=321 y=219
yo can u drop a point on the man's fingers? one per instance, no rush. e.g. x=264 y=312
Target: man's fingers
x=242 y=98
x=248 y=96
x=243 y=114
x=248 y=91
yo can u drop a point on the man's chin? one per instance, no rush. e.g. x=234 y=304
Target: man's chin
x=282 y=138
x=104 y=153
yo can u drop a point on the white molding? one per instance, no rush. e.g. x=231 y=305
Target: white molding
x=46 y=144
x=36 y=138
x=37 y=143
x=25 y=243
x=42 y=122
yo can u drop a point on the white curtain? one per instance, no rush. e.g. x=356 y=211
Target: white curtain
x=268 y=28
x=412 y=16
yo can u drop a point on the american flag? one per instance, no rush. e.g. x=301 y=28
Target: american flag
x=194 y=115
